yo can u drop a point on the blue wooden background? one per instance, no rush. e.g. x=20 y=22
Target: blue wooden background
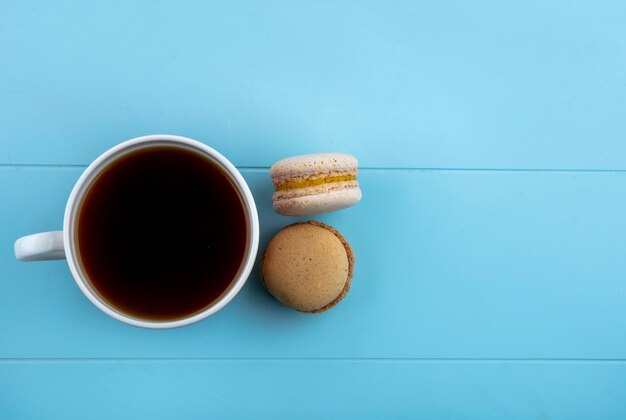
x=490 y=241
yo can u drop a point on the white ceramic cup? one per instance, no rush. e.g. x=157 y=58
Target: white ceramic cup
x=62 y=244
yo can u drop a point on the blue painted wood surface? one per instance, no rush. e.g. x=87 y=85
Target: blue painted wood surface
x=313 y=389
x=491 y=266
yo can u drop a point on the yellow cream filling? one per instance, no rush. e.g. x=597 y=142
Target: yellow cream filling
x=314 y=182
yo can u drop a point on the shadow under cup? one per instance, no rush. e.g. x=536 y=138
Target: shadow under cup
x=162 y=233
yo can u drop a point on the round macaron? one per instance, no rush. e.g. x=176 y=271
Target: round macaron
x=308 y=266
x=315 y=183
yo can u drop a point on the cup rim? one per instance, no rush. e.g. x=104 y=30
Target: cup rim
x=248 y=202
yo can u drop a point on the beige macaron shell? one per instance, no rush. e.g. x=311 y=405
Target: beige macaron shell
x=316 y=162
x=323 y=200
x=305 y=267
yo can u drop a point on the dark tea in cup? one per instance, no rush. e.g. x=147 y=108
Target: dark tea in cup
x=161 y=233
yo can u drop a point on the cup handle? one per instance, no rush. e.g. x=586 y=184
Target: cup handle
x=40 y=247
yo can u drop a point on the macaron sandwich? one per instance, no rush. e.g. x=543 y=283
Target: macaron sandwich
x=308 y=266
x=315 y=183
